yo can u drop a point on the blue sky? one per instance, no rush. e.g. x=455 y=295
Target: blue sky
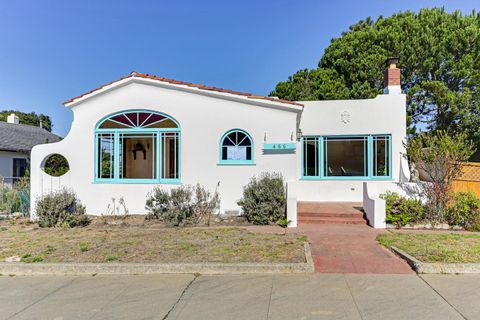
x=52 y=50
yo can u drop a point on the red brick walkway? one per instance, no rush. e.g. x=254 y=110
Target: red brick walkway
x=344 y=248
x=340 y=248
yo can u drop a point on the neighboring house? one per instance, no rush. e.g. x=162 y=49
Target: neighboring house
x=141 y=131
x=16 y=142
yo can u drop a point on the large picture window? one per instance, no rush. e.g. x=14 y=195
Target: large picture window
x=354 y=157
x=345 y=157
x=137 y=146
x=236 y=147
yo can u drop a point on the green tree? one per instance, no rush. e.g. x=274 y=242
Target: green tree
x=440 y=157
x=31 y=118
x=439 y=60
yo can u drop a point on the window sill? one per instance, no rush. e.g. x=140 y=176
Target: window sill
x=235 y=164
x=345 y=179
x=138 y=181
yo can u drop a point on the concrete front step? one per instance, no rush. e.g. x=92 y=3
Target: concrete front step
x=331 y=220
x=330 y=214
x=344 y=207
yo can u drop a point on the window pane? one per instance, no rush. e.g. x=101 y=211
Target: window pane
x=310 y=157
x=109 y=124
x=242 y=139
x=170 y=156
x=345 y=157
x=249 y=153
x=381 y=155
x=105 y=144
x=19 y=167
x=236 y=153
x=122 y=119
x=133 y=117
x=164 y=123
x=138 y=156
x=231 y=139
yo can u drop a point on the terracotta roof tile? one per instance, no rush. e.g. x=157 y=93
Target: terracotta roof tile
x=189 y=84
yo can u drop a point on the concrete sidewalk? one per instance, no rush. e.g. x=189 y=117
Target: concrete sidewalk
x=314 y=296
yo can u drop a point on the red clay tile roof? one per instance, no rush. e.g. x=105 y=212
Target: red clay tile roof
x=194 y=85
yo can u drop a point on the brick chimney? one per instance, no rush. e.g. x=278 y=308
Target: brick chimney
x=391 y=80
x=13 y=118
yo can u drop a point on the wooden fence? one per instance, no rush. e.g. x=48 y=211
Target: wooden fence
x=469 y=180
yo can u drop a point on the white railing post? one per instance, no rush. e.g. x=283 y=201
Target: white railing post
x=292 y=203
x=373 y=206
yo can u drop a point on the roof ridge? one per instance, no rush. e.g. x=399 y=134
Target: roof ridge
x=25 y=125
x=184 y=83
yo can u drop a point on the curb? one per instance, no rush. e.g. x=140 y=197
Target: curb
x=18 y=268
x=437 y=267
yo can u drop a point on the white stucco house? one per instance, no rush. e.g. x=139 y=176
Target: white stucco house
x=140 y=131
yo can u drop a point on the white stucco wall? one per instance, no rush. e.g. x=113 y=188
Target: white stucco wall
x=203 y=120
x=385 y=114
x=6 y=162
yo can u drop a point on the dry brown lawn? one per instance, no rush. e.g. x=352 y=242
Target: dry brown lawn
x=435 y=246
x=150 y=243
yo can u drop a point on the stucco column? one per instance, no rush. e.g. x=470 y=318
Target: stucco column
x=292 y=203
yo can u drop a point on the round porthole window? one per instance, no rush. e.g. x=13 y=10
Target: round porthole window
x=55 y=165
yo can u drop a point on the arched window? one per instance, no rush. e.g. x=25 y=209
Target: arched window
x=137 y=146
x=236 y=147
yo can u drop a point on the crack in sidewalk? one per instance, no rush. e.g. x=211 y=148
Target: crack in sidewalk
x=180 y=297
x=270 y=300
x=443 y=298
x=360 y=312
x=42 y=298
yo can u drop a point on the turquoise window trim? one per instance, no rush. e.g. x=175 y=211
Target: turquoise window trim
x=389 y=176
x=321 y=156
x=116 y=157
x=136 y=128
x=340 y=178
x=318 y=141
x=157 y=133
x=137 y=181
x=222 y=162
x=235 y=163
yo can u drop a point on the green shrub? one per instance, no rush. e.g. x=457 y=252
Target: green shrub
x=463 y=210
x=84 y=246
x=61 y=209
x=284 y=223
x=205 y=204
x=12 y=201
x=111 y=258
x=401 y=210
x=264 y=199
x=28 y=258
x=182 y=205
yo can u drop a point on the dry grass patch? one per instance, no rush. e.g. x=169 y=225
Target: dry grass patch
x=140 y=244
x=435 y=247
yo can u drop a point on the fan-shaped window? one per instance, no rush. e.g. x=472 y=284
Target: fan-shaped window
x=137 y=146
x=137 y=119
x=236 y=147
